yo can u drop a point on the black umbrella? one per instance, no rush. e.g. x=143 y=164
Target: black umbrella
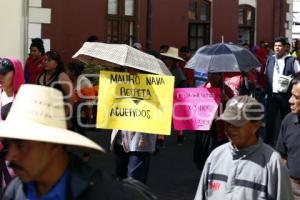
x=223 y=57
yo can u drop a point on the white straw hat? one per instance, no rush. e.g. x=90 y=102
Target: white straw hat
x=172 y=53
x=38 y=114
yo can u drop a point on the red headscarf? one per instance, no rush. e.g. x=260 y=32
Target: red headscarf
x=18 y=79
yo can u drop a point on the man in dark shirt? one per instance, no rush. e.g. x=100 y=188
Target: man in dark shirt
x=288 y=143
x=280 y=69
x=36 y=135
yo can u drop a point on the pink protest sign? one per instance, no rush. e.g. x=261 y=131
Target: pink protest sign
x=195 y=108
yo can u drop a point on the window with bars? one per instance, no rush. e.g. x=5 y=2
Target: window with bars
x=246 y=21
x=199 y=23
x=121 y=21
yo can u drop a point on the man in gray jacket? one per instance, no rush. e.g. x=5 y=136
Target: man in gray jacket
x=245 y=167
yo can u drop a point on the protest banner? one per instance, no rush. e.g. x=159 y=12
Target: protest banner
x=195 y=108
x=141 y=102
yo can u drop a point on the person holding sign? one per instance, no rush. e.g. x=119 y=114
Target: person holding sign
x=133 y=151
x=171 y=58
x=206 y=141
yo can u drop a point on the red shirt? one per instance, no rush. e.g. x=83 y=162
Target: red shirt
x=262 y=56
x=33 y=68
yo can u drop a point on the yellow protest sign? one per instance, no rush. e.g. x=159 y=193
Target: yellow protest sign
x=141 y=102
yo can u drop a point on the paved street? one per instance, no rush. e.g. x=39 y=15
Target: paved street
x=172 y=175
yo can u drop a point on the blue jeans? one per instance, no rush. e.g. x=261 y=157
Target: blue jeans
x=132 y=164
x=138 y=165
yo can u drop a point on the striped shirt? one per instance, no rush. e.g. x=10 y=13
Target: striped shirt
x=256 y=172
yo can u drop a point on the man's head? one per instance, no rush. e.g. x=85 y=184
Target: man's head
x=246 y=45
x=242 y=118
x=92 y=38
x=164 y=48
x=295 y=98
x=37 y=133
x=138 y=46
x=185 y=53
x=214 y=78
x=170 y=57
x=262 y=43
x=169 y=62
x=32 y=160
x=297 y=44
x=280 y=46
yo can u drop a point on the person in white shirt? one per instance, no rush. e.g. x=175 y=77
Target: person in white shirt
x=281 y=68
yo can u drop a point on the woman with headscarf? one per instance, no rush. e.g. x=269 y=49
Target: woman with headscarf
x=34 y=63
x=11 y=78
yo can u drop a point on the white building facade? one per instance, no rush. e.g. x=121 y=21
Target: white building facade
x=20 y=21
x=296 y=19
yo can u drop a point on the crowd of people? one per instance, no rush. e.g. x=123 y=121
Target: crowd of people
x=243 y=155
x=233 y=154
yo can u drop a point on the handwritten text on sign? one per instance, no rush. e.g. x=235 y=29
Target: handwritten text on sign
x=141 y=102
x=195 y=108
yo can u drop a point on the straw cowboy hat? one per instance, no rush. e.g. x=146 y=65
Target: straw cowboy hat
x=38 y=114
x=172 y=53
